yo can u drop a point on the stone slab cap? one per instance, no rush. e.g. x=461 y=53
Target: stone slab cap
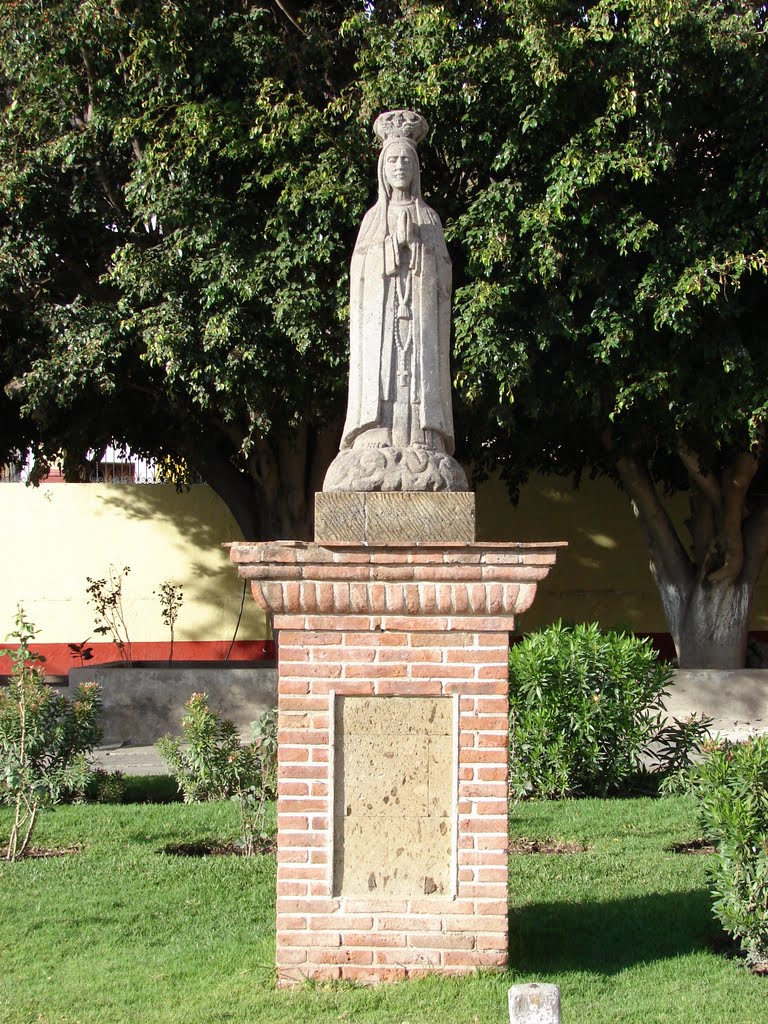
x=390 y=517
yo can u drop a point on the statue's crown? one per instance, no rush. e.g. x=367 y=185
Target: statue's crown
x=400 y=124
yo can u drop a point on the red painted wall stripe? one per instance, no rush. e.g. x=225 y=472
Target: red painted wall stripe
x=59 y=659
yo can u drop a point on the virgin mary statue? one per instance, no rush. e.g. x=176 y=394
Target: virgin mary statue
x=398 y=433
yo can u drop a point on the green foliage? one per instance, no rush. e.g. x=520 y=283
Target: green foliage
x=44 y=739
x=171 y=598
x=584 y=707
x=211 y=763
x=731 y=785
x=106 y=596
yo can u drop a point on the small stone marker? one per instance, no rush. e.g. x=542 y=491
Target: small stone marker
x=534 y=1004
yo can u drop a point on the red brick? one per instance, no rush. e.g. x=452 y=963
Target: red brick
x=292 y=821
x=289 y=938
x=291 y=856
x=376 y=639
x=376 y=671
x=486 y=774
x=285 y=686
x=292 y=754
x=493 y=740
x=409 y=656
x=308 y=638
x=296 y=805
x=366 y=938
x=491 y=890
x=343 y=956
x=483 y=789
x=293 y=888
x=343 y=687
x=342 y=921
x=292 y=922
x=426 y=922
x=290 y=738
x=312 y=670
x=440 y=940
x=365 y=905
x=476 y=959
x=290 y=787
x=303 y=703
x=473 y=686
x=301 y=771
x=300 y=839
x=489 y=824
x=404 y=687
x=404 y=957
x=488 y=757
x=471 y=924
x=290 y=956
x=344 y=655
x=293 y=654
x=442 y=671
x=493 y=672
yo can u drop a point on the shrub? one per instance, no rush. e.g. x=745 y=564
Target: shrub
x=731 y=785
x=44 y=739
x=211 y=763
x=584 y=707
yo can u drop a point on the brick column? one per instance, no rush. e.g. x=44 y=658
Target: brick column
x=429 y=626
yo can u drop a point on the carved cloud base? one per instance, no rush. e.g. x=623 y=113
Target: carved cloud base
x=394 y=469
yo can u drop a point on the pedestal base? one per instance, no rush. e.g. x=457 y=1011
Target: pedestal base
x=392 y=778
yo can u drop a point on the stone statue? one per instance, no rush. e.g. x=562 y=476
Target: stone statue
x=398 y=434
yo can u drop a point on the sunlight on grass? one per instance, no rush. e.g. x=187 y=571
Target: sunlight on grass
x=123 y=932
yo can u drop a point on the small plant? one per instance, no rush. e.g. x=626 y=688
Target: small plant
x=81 y=651
x=106 y=596
x=584 y=707
x=171 y=599
x=675 y=749
x=211 y=763
x=731 y=786
x=44 y=739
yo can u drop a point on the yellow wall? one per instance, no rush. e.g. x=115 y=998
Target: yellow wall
x=603 y=574
x=56 y=535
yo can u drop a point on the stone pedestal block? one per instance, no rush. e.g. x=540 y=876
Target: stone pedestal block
x=392 y=777
x=400 y=517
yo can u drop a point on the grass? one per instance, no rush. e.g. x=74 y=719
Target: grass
x=123 y=933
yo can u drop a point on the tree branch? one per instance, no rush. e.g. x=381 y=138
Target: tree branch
x=668 y=554
x=737 y=479
x=705 y=482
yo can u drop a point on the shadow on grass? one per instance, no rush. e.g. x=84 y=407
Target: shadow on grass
x=607 y=937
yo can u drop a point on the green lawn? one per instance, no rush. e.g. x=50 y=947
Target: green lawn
x=123 y=933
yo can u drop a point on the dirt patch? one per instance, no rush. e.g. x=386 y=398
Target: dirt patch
x=38 y=852
x=213 y=848
x=522 y=845
x=693 y=846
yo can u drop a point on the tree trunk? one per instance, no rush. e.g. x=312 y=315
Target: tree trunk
x=707 y=588
x=274 y=499
x=709 y=621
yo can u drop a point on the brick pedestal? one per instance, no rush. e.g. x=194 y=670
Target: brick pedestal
x=392 y=817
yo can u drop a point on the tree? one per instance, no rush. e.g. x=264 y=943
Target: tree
x=611 y=215
x=179 y=187
x=181 y=184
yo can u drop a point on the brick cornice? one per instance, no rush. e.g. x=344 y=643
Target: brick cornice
x=450 y=581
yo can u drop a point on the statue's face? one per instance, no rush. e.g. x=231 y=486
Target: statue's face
x=399 y=166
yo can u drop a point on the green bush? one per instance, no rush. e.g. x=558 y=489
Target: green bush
x=731 y=785
x=211 y=763
x=44 y=739
x=584 y=707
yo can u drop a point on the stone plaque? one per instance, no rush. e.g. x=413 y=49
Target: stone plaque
x=393 y=796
